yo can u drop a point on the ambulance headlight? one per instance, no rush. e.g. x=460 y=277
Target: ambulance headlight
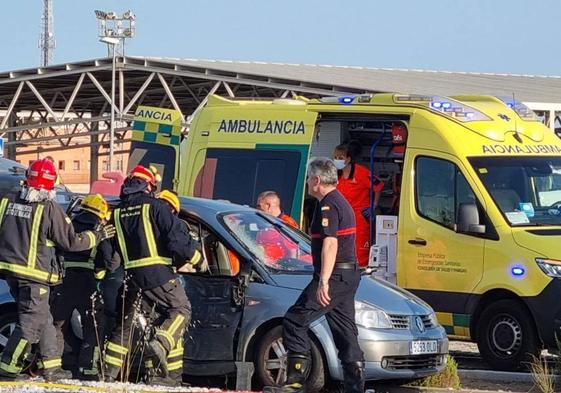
x=551 y=267
x=371 y=317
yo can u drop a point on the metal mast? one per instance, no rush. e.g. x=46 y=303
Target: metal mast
x=47 y=39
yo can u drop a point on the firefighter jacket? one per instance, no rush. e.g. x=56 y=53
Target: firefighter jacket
x=151 y=240
x=97 y=259
x=29 y=233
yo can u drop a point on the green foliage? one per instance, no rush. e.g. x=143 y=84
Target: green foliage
x=448 y=378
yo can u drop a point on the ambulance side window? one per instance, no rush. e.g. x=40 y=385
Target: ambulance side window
x=440 y=188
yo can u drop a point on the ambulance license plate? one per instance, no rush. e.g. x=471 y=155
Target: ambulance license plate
x=423 y=347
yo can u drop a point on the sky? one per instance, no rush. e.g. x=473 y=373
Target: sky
x=497 y=36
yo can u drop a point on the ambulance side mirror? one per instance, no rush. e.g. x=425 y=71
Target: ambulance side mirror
x=468 y=219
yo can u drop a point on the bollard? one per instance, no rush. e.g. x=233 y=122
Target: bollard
x=244 y=373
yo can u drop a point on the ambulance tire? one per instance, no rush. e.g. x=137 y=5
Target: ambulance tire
x=267 y=351
x=506 y=335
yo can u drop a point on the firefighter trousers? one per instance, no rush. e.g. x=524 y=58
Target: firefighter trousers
x=340 y=315
x=79 y=292
x=171 y=303
x=34 y=320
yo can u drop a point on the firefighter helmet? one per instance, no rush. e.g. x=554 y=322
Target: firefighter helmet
x=171 y=198
x=41 y=174
x=150 y=175
x=97 y=205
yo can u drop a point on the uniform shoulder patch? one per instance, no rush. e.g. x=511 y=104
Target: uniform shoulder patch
x=324 y=208
x=325 y=222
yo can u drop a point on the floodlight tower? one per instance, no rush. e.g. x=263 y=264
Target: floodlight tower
x=115 y=26
x=47 y=38
x=113 y=29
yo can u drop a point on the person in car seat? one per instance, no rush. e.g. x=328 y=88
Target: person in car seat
x=270 y=202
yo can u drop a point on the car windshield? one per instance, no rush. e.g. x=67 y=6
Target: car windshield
x=527 y=190
x=277 y=246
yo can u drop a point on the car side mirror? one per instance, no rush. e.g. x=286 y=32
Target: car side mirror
x=468 y=219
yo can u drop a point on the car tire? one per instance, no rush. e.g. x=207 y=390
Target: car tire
x=7 y=326
x=270 y=362
x=506 y=335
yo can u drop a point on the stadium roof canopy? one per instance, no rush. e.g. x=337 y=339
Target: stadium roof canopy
x=60 y=102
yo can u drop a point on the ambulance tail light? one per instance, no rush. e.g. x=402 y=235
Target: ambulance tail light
x=551 y=267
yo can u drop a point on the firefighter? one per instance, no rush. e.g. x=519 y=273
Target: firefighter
x=81 y=289
x=332 y=289
x=31 y=226
x=170 y=197
x=151 y=242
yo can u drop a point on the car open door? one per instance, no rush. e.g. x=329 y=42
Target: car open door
x=217 y=301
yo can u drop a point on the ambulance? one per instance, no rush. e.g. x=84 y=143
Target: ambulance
x=470 y=216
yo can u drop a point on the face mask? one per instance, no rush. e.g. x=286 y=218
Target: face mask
x=339 y=164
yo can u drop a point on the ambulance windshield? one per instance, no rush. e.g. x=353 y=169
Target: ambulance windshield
x=527 y=190
x=277 y=246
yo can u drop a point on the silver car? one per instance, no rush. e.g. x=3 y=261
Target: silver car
x=258 y=268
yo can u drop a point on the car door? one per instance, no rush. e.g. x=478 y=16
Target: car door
x=217 y=300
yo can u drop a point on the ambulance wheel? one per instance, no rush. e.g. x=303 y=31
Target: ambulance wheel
x=506 y=335
x=270 y=362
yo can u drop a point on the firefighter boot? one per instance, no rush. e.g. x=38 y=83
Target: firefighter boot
x=353 y=377
x=297 y=369
x=56 y=374
x=156 y=350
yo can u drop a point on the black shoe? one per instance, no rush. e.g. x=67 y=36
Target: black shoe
x=88 y=377
x=56 y=374
x=165 y=381
x=297 y=370
x=292 y=388
x=156 y=350
x=353 y=377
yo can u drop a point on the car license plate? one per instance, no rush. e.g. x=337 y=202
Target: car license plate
x=423 y=347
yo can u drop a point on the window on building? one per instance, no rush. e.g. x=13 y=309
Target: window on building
x=76 y=165
x=105 y=165
x=119 y=165
x=61 y=165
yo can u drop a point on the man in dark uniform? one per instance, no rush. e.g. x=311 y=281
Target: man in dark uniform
x=85 y=271
x=31 y=226
x=151 y=242
x=332 y=289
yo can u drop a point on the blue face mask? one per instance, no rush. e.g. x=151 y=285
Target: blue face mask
x=339 y=164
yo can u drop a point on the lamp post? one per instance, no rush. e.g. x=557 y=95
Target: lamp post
x=113 y=30
x=113 y=42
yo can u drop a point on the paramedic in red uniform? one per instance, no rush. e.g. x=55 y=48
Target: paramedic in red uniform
x=269 y=202
x=354 y=184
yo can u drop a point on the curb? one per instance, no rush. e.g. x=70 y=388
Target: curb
x=499 y=376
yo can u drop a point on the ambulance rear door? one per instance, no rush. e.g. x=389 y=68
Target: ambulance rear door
x=155 y=141
x=235 y=152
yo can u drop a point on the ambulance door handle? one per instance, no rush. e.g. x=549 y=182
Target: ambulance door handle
x=418 y=242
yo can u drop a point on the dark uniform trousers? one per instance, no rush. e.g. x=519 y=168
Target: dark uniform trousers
x=34 y=320
x=79 y=292
x=170 y=301
x=339 y=314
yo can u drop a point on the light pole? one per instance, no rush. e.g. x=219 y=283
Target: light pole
x=113 y=30
x=112 y=41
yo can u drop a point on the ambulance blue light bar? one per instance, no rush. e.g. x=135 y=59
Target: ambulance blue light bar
x=447 y=106
x=521 y=110
x=347 y=100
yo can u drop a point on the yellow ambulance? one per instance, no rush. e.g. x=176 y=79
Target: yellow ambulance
x=472 y=195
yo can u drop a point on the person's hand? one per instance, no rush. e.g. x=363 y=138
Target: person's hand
x=106 y=232
x=322 y=293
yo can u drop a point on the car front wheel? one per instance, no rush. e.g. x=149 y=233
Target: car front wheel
x=270 y=362
x=7 y=326
x=506 y=335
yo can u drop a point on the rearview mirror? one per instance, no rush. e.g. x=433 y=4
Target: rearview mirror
x=468 y=219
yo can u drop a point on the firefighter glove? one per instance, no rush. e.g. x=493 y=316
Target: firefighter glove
x=106 y=232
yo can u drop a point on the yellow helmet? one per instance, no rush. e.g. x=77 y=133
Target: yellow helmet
x=171 y=198
x=97 y=205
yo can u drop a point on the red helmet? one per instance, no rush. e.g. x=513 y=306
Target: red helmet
x=149 y=175
x=41 y=174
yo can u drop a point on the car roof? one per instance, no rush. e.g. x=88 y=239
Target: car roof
x=203 y=206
